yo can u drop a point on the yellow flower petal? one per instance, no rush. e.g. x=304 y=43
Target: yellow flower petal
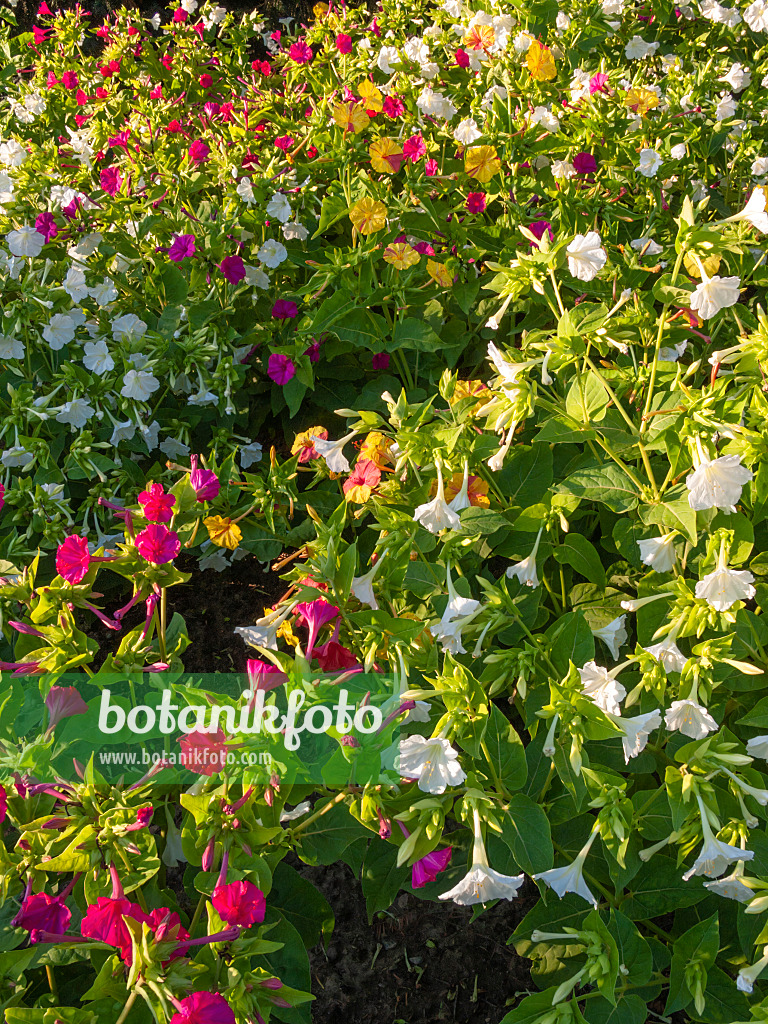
x=401 y=255
x=482 y=162
x=370 y=95
x=368 y=215
x=386 y=156
x=223 y=532
x=439 y=273
x=351 y=117
x=541 y=63
x=641 y=100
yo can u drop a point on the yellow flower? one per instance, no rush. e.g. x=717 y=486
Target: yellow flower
x=386 y=156
x=376 y=448
x=482 y=162
x=223 y=532
x=480 y=37
x=370 y=95
x=320 y=11
x=476 y=388
x=368 y=215
x=401 y=255
x=439 y=273
x=284 y=630
x=351 y=117
x=541 y=63
x=710 y=263
x=641 y=100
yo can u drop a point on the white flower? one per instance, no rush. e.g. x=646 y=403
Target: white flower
x=714 y=11
x=586 y=256
x=713 y=294
x=738 y=77
x=689 y=718
x=756 y=16
x=332 y=452
x=16 y=458
x=747 y=976
x=295 y=232
x=436 y=515
x=12 y=153
x=264 y=632
x=435 y=103
x=653 y=249
x=731 y=886
x=758 y=747
x=482 y=884
x=636 y=731
x=75 y=413
x=245 y=190
x=715 y=855
x=87 y=246
x=433 y=762
x=103 y=293
x=467 y=132
x=562 y=169
x=638 y=49
x=97 y=357
x=658 y=552
x=272 y=253
x=723 y=587
x=525 y=571
x=362 y=587
x=506 y=369
x=726 y=107
x=668 y=654
x=759 y=168
x=74 y=284
x=612 y=7
x=717 y=483
x=461 y=500
x=11 y=348
x=459 y=612
x=571 y=877
x=6 y=188
x=522 y=42
x=563 y=22
x=754 y=211
x=250 y=453
x=123 y=432
x=128 y=328
x=60 y=331
x=25 y=241
x=601 y=688
x=297 y=812
x=150 y=434
x=678 y=152
x=139 y=384
x=650 y=162
x=173 y=448
x=256 y=278
x=388 y=55
x=279 y=208
x=544 y=117
x=613 y=635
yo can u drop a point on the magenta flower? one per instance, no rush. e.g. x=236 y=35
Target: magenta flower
x=41 y=912
x=284 y=142
x=428 y=868
x=283 y=309
x=431 y=168
x=63 y=702
x=158 y=544
x=203 y=1008
x=300 y=53
x=598 y=83
x=45 y=225
x=315 y=615
x=263 y=675
x=475 y=202
x=157 y=505
x=104 y=922
x=380 y=361
x=414 y=148
x=180 y=15
x=198 y=151
x=240 y=903
x=280 y=368
x=181 y=248
x=73 y=559
x=539 y=227
x=204 y=482
x=584 y=163
x=334 y=657
x=343 y=43
x=206 y=81
x=313 y=352
x=233 y=269
x=111 y=179
x=69 y=80
x=393 y=107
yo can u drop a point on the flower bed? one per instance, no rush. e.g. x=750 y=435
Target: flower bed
x=454 y=318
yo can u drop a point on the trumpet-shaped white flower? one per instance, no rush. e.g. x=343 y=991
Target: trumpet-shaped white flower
x=756 y=16
x=717 y=483
x=59 y=331
x=715 y=855
x=506 y=369
x=75 y=413
x=461 y=501
x=668 y=654
x=723 y=587
x=362 y=586
x=272 y=253
x=279 y=207
x=11 y=348
x=436 y=515
x=713 y=294
x=613 y=635
x=264 y=632
x=459 y=612
x=525 y=571
x=482 y=884
x=738 y=77
x=128 y=328
x=25 y=241
x=571 y=877
x=586 y=256
x=650 y=162
x=139 y=384
x=636 y=731
x=747 y=976
x=731 y=887
x=467 y=132
x=758 y=747
x=97 y=358
x=332 y=452
x=602 y=688
x=689 y=718
x=432 y=761
x=658 y=552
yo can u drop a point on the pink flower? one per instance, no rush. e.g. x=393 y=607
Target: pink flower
x=73 y=559
x=233 y=269
x=462 y=58
x=3 y=803
x=204 y=752
x=475 y=202
x=598 y=83
x=204 y=482
x=81 y=98
x=182 y=247
x=69 y=80
x=313 y=352
x=52 y=80
x=431 y=168
x=283 y=309
x=393 y=107
x=158 y=544
x=104 y=921
x=206 y=81
x=380 y=361
x=41 y=912
x=203 y=1008
x=263 y=675
x=584 y=163
x=40 y=34
x=179 y=15
x=261 y=67
x=314 y=615
x=284 y=142
x=157 y=505
x=539 y=227
x=365 y=474
x=45 y=225
x=343 y=43
x=334 y=657
x=111 y=179
x=428 y=868
x=63 y=702
x=280 y=368
x=414 y=148
x=240 y=903
x=198 y=151
x=300 y=53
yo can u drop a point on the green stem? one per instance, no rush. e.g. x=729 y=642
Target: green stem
x=313 y=817
x=659 y=334
x=127 y=1007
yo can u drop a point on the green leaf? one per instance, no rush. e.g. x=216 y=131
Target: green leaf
x=629 y=1009
x=525 y=829
x=634 y=952
x=576 y=551
x=571 y=640
x=527 y=475
x=534 y=1008
x=723 y=1001
x=562 y=429
x=481 y=521
x=658 y=888
x=416 y=335
x=303 y=905
x=505 y=748
x=381 y=877
x=586 y=398
x=698 y=945
x=290 y=964
x=607 y=485
x=324 y=840
x=175 y=284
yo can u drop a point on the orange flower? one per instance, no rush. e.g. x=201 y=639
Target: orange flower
x=368 y=215
x=304 y=445
x=477 y=489
x=370 y=96
x=223 y=532
x=386 y=156
x=480 y=37
x=439 y=273
x=541 y=63
x=401 y=255
x=482 y=162
x=375 y=448
x=364 y=477
x=351 y=117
